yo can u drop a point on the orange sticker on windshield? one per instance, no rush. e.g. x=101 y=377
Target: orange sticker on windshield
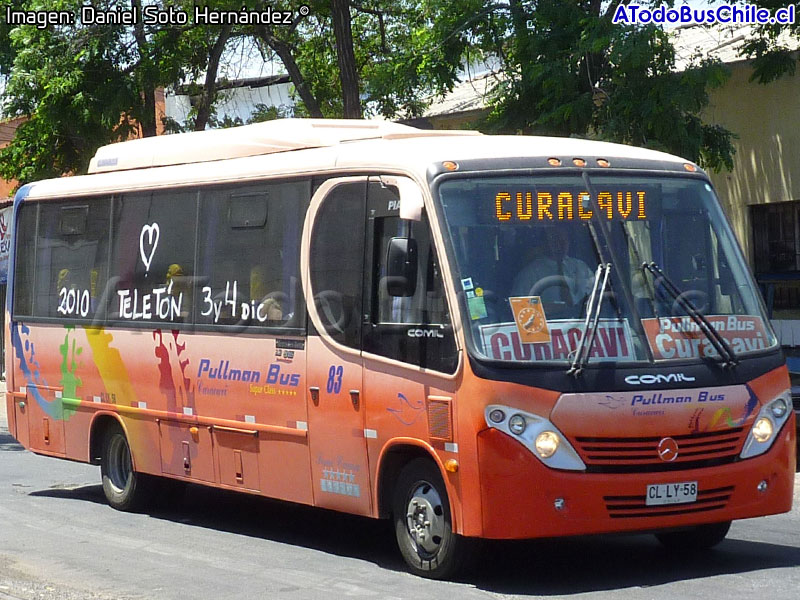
x=530 y=320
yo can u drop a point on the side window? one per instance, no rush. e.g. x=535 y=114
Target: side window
x=248 y=270
x=25 y=255
x=337 y=262
x=71 y=259
x=153 y=257
x=413 y=324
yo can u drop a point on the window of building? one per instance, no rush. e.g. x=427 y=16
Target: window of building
x=776 y=246
x=776 y=242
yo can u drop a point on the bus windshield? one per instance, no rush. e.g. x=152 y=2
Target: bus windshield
x=526 y=255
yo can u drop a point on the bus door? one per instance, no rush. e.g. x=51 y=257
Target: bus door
x=333 y=262
x=406 y=319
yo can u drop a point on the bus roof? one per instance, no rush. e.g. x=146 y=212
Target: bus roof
x=281 y=135
x=294 y=147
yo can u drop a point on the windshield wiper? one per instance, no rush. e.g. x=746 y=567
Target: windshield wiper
x=592 y=314
x=720 y=343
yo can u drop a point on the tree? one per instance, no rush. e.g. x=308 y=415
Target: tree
x=771 y=57
x=569 y=70
x=397 y=61
x=82 y=85
x=73 y=87
x=88 y=84
x=343 y=33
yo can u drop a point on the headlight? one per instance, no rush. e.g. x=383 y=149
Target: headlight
x=779 y=408
x=762 y=430
x=546 y=444
x=517 y=424
x=537 y=434
x=768 y=423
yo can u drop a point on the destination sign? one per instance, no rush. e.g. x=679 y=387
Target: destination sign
x=522 y=205
x=502 y=341
x=681 y=337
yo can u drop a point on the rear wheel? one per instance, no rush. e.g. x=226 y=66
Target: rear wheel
x=424 y=525
x=124 y=488
x=701 y=537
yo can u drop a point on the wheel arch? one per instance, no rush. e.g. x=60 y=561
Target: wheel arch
x=395 y=455
x=102 y=422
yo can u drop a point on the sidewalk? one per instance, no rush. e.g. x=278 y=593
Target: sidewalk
x=3 y=418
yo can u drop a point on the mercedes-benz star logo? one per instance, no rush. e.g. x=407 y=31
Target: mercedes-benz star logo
x=668 y=449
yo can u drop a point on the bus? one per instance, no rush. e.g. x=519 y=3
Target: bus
x=475 y=336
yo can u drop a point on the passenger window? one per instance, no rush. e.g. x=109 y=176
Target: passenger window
x=248 y=271
x=71 y=259
x=337 y=262
x=153 y=257
x=25 y=257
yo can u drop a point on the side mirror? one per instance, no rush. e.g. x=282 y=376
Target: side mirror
x=401 y=267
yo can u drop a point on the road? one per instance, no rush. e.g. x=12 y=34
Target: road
x=59 y=540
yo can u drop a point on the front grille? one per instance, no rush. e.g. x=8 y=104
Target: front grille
x=629 y=507
x=796 y=401
x=640 y=454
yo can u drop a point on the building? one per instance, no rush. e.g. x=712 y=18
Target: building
x=761 y=194
x=238 y=99
x=8 y=128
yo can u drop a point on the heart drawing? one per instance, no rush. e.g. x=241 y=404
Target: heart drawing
x=148 y=241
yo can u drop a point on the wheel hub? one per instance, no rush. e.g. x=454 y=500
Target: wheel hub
x=425 y=518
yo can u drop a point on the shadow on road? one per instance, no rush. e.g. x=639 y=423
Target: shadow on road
x=540 y=567
x=579 y=565
x=8 y=443
x=91 y=493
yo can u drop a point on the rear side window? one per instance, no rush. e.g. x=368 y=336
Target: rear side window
x=213 y=256
x=63 y=273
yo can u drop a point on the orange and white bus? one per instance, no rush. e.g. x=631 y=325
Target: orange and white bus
x=475 y=336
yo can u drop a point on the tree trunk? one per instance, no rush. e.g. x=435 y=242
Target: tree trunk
x=342 y=30
x=147 y=120
x=210 y=88
x=284 y=52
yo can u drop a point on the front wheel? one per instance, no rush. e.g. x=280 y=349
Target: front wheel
x=124 y=488
x=424 y=525
x=701 y=537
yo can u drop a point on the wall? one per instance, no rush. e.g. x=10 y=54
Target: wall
x=237 y=102
x=766 y=166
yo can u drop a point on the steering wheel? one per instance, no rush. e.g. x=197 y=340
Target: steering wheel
x=545 y=283
x=698 y=298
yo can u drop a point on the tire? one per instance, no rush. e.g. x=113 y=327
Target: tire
x=701 y=537
x=124 y=488
x=423 y=523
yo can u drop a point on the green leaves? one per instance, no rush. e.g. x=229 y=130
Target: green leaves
x=566 y=70
x=571 y=71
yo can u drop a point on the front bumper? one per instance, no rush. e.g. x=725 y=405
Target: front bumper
x=521 y=498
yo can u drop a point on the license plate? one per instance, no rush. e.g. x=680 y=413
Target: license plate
x=671 y=493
